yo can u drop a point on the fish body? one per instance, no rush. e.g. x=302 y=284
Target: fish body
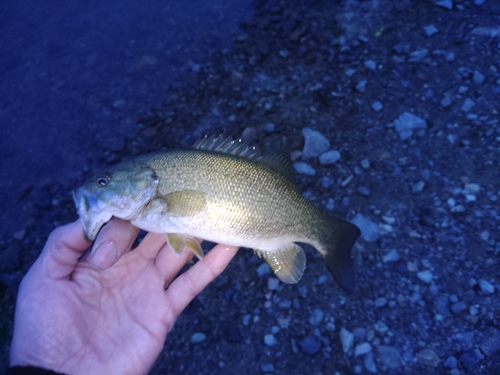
x=223 y=192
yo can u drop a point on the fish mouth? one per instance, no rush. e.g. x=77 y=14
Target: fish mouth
x=91 y=217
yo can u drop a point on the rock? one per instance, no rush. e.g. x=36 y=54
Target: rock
x=263 y=270
x=361 y=86
x=198 y=337
x=389 y=356
x=269 y=339
x=347 y=340
x=362 y=349
x=468 y=104
x=329 y=157
x=418 y=187
x=362 y=190
x=304 y=168
x=419 y=55
x=377 y=106
x=425 y=276
x=430 y=30
x=406 y=123
x=490 y=343
x=448 y=4
x=477 y=77
x=269 y=127
x=372 y=65
x=369 y=362
x=428 y=357
x=486 y=287
x=273 y=283
x=451 y=362
x=267 y=367
x=391 y=257
x=458 y=307
x=249 y=134
x=315 y=143
x=369 y=230
x=471 y=358
x=330 y=204
x=316 y=317
x=310 y=345
x=326 y=182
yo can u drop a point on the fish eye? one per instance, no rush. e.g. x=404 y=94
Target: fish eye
x=103 y=179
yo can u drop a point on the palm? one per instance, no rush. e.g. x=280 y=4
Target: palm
x=113 y=320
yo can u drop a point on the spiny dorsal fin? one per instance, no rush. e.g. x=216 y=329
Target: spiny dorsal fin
x=279 y=161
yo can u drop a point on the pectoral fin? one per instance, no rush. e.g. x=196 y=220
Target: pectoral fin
x=287 y=263
x=185 y=202
x=178 y=242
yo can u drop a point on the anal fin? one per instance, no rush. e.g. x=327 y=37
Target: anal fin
x=178 y=242
x=288 y=263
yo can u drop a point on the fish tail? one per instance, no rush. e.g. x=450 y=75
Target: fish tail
x=336 y=239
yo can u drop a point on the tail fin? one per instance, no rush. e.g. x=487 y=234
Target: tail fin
x=336 y=247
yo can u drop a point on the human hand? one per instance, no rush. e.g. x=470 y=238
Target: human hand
x=95 y=316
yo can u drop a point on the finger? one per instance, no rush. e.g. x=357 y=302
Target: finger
x=114 y=240
x=188 y=285
x=64 y=247
x=170 y=264
x=150 y=245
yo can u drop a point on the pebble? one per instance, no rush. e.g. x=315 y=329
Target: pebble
x=273 y=283
x=269 y=127
x=267 y=367
x=20 y=234
x=362 y=349
x=428 y=357
x=316 y=317
x=448 y=4
x=418 y=187
x=458 y=307
x=347 y=340
x=246 y=319
x=370 y=231
x=467 y=105
x=389 y=356
x=198 y=337
x=330 y=204
x=263 y=270
x=430 y=30
x=361 y=86
x=326 y=182
x=304 y=168
x=391 y=257
x=406 y=123
x=486 y=286
x=425 y=276
x=451 y=362
x=377 y=106
x=369 y=362
x=310 y=345
x=471 y=358
x=491 y=344
x=315 y=143
x=329 y=157
x=362 y=190
x=477 y=77
x=372 y=65
x=269 y=339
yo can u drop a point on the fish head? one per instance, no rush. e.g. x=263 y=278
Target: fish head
x=122 y=191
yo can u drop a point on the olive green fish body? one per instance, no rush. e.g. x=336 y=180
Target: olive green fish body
x=215 y=194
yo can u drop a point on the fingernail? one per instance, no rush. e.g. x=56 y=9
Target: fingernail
x=104 y=255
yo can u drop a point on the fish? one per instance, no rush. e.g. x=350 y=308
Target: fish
x=224 y=191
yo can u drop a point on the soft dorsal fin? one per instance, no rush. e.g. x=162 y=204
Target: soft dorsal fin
x=278 y=161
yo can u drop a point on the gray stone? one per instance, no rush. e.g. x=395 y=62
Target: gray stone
x=272 y=283
x=263 y=270
x=458 y=307
x=362 y=190
x=370 y=231
x=310 y=345
x=316 y=317
x=362 y=349
x=329 y=157
x=361 y=86
x=471 y=358
x=468 y=104
x=406 y=123
x=391 y=257
x=418 y=187
x=304 y=168
x=267 y=367
x=486 y=287
x=326 y=182
x=490 y=344
x=430 y=30
x=369 y=362
x=477 y=77
x=448 y=4
x=315 y=143
x=389 y=356
x=269 y=339
x=372 y=65
x=425 y=276
x=377 y=106
x=347 y=340
x=428 y=357
x=418 y=55
x=198 y=337
x=451 y=362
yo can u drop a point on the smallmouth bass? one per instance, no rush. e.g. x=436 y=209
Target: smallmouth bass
x=222 y=191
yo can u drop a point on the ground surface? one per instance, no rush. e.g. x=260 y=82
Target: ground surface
x=408 y=96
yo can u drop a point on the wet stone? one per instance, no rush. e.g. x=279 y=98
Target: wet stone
x=315 y=143
x=304 y=168
x=428 y=357
x=370 y=231
x=486 y=287
x=362 y=349
x=329 y=157
x=269 y=340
